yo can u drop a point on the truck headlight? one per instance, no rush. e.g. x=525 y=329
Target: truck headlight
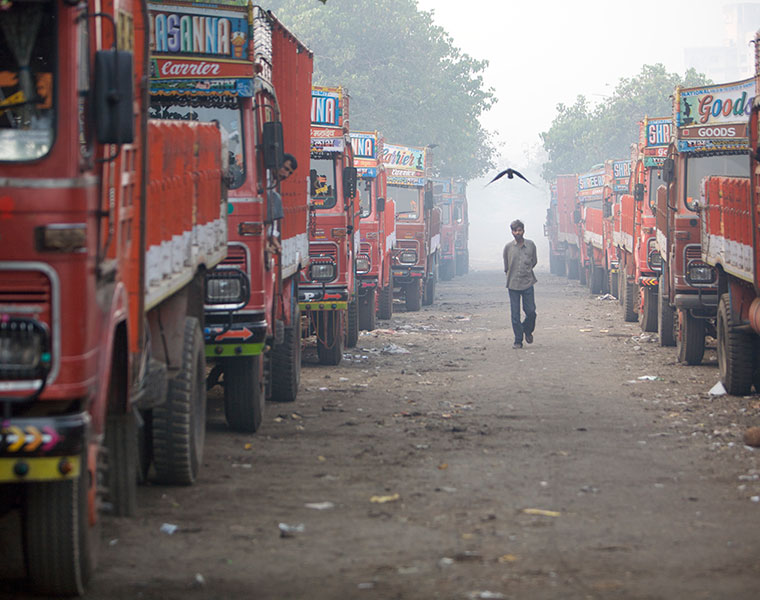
x=322 y=272
x=408 y=257
x=227 y=289
x=362 y=264
x=654 y=261
x=24 y=349
x=700 y=273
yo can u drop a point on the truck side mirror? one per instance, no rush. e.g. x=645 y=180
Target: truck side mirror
x=349 y=182
x=380 y=204
x=668 y=170
x=429 y=202
x=272 y=145
x=638 y=192
x=113 y=95
x=577 y=215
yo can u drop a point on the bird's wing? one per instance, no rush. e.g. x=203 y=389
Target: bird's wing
x=499 y=176
x=520 y=175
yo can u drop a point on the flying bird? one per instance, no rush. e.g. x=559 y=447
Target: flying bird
x=510 y=173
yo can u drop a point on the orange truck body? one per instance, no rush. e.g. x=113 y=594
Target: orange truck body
x=102 y=336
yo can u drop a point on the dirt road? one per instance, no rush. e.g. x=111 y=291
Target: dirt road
x=441 y=463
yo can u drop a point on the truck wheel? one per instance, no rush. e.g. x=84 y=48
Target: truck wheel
x=735 y=358
x=622 y=278
x=561 y=265
x=286 y=361
x=649 y=310
x=429 y=293
x=352 y=326
x=244 y=396
x=60 y=543
x=329 y=338
x=690 y=340
x=385 y=301
x=413 y=296
x=596 y=280
x=665 y=316
x=122 y=464
x=629 y=299
x=572 y=269
x=179 y=424
x=367 y=310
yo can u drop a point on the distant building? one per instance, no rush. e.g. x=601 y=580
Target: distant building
x=733 y=60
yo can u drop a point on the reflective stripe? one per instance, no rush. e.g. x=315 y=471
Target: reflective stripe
x=43 y=183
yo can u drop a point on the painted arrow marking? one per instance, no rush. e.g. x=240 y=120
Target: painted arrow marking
x=18 y=437
x=51 y=438
x=36 y=439
x=235 y=334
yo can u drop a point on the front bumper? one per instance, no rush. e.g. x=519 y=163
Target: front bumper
x=240 y=338
x=43 y=448
x=407 y=274
x=322 y=298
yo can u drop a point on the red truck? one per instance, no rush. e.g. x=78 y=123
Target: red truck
x=461 y=226
x=377 y=230
x=711 y=139
x=418 y=224
x=640 y=262
x=568 y=218
x=327 y=293
x=617 y=174
x=252 y=333
x=444 y=200
x=593 y=247
x=551 y=232
x=96 y=336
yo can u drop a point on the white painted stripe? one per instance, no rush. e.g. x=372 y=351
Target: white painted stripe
x=735 y=257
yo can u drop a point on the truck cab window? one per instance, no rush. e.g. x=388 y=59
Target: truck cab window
x=365 y=202
x=27 y=80
x=322 y=181
x=407 y=201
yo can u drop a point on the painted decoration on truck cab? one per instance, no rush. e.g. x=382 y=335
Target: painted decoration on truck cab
x=405 y=165
x=621 y=172
x=656 y=135
x=365 y=145
x=197 y=43
x=714 y=118
x=327 y=107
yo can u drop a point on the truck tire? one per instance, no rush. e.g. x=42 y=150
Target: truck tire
x=244 y=394
x=367 y=310
x=413 y=296
x=286 y=361
x=735 y=359
x=122 y=464
x=385 y=301
x=665 y=316
x=60 y=544
x=561 y=264
x=629 y=298
x=572 y=269
x=179 y=424
x=649 y=309
x=352 y=325
x=329 y=338
x=690 y=339
x=428 y=295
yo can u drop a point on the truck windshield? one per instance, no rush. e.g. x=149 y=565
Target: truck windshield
x=27 y=80
x=697 y=168
x=445 y=214
x=406 y=199
x=229 y=120
x=365 y=198
x=322 y=181
x=655 y=181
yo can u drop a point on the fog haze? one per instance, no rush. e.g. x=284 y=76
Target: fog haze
x=543 y=53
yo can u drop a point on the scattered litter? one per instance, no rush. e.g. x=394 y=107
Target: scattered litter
x=422 y=446
x=290 y=530
x=113 y=542
x=366 y=586
x=242 y=466
x=541 y=512
x=585 y=330
x=604 y=331
x=443 y=466
x=407 y=570
x=324 y=389
x=168 y=528
x=445 y=562
x=461 y=318
x=448 y=489
x=752 y=437
x=248 y=446
x=755 y=498
x=384 y=499
x=200 y=579
x=648 y=378
x=321 y=458
x=468 y=556
x=394 y=349
x=507 y=558
x=278 y=419
x=717 y=389
x=606 y=297
x=343 y=379
x=320 y=505
x=485 y=595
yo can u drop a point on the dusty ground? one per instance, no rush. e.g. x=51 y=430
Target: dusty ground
x=445 y=464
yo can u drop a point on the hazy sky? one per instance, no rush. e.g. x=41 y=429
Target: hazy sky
x=543 y=52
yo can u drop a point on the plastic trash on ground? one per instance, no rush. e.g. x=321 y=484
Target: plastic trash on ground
x=718 y=389
x=290 y=530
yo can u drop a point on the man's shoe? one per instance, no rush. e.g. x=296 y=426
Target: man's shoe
x=529 y=338
x=517 y=345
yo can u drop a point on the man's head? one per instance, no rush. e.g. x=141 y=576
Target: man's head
x=289 y=164
x=518 y=229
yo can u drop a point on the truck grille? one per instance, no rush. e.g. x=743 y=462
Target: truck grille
x=236 y=257
x=26 y=293
x=321 y=249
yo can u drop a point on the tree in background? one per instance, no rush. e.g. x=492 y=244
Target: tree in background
x=581 y=135
x=405 y=77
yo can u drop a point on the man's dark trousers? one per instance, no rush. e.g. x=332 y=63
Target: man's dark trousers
x=529 y=306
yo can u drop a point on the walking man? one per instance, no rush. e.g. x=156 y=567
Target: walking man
x=519 y=260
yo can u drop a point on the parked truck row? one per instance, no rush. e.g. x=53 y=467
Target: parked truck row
x=675 y=230
x=180 y=208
